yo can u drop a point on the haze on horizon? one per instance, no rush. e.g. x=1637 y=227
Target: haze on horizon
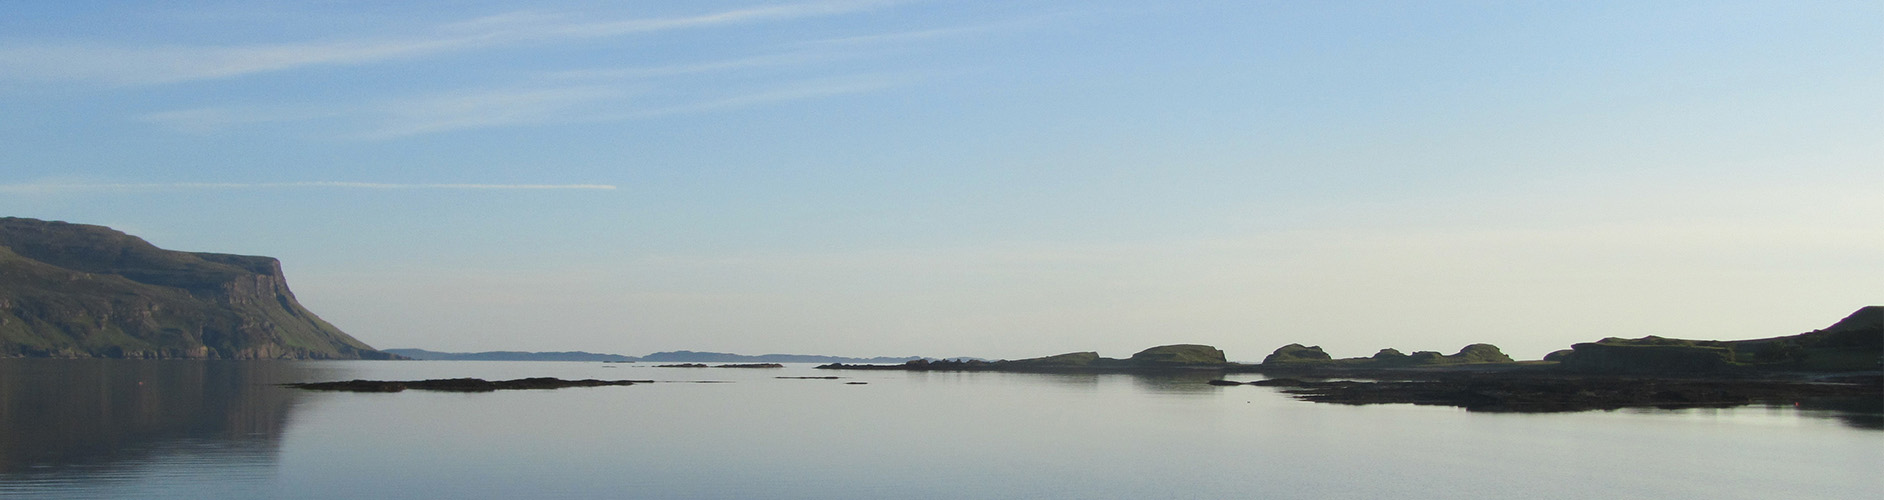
x=1017 y=179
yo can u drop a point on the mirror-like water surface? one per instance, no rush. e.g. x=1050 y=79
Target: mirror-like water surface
x=177 y=429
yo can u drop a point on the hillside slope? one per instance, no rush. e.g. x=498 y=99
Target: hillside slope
x=74 y=290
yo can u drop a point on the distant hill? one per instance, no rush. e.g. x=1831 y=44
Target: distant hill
x=1167 y=358
x=659 y=357
x=83 y=291
x=721 y=357
x=422 y=354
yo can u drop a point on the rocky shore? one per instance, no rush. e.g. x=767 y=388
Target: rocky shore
x=1836 y=367
x=1537 y=391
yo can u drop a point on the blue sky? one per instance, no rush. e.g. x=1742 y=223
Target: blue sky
x=998 y=179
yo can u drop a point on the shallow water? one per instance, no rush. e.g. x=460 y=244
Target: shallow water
x=181 y=429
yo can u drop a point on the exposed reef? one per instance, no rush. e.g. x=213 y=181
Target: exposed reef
x=458 y=384
x=1543 y=392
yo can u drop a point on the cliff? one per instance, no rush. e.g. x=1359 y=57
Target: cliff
x=82 y=291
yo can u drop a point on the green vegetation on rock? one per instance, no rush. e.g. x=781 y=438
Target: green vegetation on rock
x=1297 y=353
x=1179 y=354
x=77 y=291
x=1070 y=359
x=1855 y=343
x=1481 y=353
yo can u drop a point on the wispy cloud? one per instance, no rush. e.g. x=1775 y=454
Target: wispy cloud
x=900 y=37
x=491 y=108
x=119 y=65
x=878 y=40
x=737 y=16
x=516 y=107
x=720 y=66
x=47 y=188
x=150 y=65
x=215 y=119
x=808 y=89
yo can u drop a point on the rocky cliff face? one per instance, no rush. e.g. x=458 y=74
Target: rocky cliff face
x=73 y=290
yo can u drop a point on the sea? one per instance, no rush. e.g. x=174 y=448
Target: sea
x=226 y=429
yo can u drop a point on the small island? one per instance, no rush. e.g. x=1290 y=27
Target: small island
x=1841 y=367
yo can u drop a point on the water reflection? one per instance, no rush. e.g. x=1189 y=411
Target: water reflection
x=65 y=417
x=1178 y=382
x=1863 y=413
x=1172 y=382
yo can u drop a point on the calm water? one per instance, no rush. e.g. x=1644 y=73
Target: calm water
x=178 y=429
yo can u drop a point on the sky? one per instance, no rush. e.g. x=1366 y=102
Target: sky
x=989 y=179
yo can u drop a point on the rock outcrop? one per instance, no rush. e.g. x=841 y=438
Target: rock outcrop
x=1295 y=353
x=1297 y=356
x=1179 y=355
x=83 y=291
x=1855 y=343
x=1647 y=355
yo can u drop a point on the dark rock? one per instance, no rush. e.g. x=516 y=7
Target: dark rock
x=1296 y=353
x=1481 y=353
x=1552 y=393
x=1646 y=355
x=456 y=384
x=1070 y=359
x=1179 y=354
